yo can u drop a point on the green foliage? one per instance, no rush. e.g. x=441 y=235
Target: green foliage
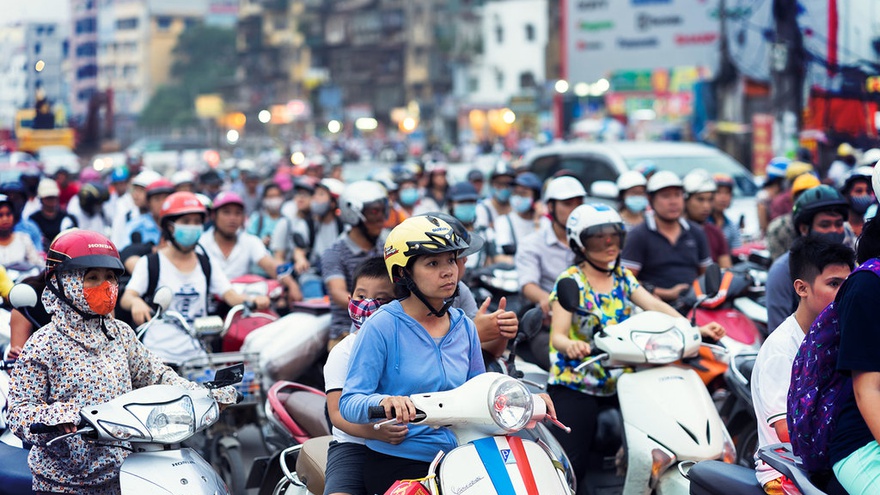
x=204 y=61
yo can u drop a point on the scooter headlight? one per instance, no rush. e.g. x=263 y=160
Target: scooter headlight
x=510 y=404
x=660 y=348
x=168 y=423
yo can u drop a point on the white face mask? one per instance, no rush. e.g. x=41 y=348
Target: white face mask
x=273 y=204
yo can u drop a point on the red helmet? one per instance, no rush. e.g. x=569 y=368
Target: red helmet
x=160 y=186
x=179 y=204
x=76 y=249
x=227 y=198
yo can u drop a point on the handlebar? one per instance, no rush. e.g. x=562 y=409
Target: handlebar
x=40 y=428
x=377 y=412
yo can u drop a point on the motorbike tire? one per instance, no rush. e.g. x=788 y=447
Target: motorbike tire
x=746 y=447
x=230 y=464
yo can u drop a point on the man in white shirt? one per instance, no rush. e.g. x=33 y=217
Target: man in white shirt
x=818 y=268
x=235 y=251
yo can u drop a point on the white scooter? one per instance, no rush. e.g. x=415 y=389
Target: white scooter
x=669 y=418
x=155 y=420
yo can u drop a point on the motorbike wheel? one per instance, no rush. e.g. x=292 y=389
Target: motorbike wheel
x=230 y=464
x=746 y=447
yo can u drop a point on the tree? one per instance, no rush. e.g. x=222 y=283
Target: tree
x=204 y=61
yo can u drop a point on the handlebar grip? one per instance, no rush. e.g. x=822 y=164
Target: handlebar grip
x=250 y=304
x=238 y=397
x=39 y=428
x=377 y=412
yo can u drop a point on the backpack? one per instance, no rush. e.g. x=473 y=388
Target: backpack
x=817 y=389
x=153 y=276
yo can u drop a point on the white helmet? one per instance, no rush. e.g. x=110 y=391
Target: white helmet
x=145 y=178
x=871 y=157
x=334 y=186
x=356 y=196
x=630 y=179
x=562 y=188
x=662 y=180
x=183 y=177
x=591 y=219
x=875 y=180
x=698 y=181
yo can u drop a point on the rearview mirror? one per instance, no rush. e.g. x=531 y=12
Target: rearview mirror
x=604 y=189
x=227 y=376
x=22 y=296
x=712 y=280
x=162 y=297
x=568 y=292
x=530 y=324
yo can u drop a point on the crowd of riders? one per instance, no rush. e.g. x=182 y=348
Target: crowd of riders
x=391 y=254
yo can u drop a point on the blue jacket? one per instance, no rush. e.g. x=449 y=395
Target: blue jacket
x=395 y=355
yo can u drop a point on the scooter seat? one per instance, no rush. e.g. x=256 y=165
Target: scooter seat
x=307 y=410
x=15 y=475
x=312 y=461
x=716 y=477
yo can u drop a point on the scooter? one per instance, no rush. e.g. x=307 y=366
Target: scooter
x=737 y=409
x=156 y=420
x=718 y=478
x=668 y=417
x=15 y=475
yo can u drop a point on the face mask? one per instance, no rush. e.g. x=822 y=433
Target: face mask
x=832 y=237
x=466 y=212
x=101 y=299
x=360 y=309
x=408 y=197
x=187 y=235
x=520 y=204
x=320 y=208
x=860 y=204
x=636 y=204
x=273 y=204
x=502 y=195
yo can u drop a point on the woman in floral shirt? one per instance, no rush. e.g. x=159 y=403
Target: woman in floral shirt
x=84 y=356
x=608 y=291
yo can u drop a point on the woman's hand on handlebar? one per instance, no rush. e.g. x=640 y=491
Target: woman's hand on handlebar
x=262 y=302
x=400 y=405
x=551 y=410
x=577 y=349
x=140 y=311
x=712 y=330
x=67 y=428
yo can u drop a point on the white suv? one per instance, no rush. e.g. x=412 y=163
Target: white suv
x=596 y=164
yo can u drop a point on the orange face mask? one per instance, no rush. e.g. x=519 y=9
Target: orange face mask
x=102 y=299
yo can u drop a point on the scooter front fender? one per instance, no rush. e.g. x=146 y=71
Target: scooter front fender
x=172 y=472
x=673 y=483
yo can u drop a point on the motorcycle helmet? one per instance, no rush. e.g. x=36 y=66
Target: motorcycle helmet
x=802 y=183
x=145 y=178
x=776 y=168
x=562 y=188
x=724 y=180
x=227 y=198
x=474 y=241
x=357 y=196
x=502 y=169
x=818 y=199
x=662 y=180
x=419 y=236
x=119 y=174
x=531 y=181
x=91 y=196
x=796 y=169
x=630 y=179
x=76 y=249
x=871 y=157
x=646 y=167
x=160 y=186
x=179 y=204
x=698 y=181
x=859 y=173
x=593 y=219
x=334 y=186
x=183 y=177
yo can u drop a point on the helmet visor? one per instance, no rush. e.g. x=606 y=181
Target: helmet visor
x=599 y=237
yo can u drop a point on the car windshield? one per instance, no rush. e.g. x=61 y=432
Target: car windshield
x=714 y=164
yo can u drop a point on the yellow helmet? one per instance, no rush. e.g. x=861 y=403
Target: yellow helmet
x=417 y=236
x=845 y=149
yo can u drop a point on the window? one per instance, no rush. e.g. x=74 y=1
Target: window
x=50 y=30
x=527 y=80
x=499 y=34
x=87 y=71
x=37 y=48
x=86 y=50
x=163 y=23
x=589 y=169
x=530 y=32
x=86 y=25
x=125 y=24
x=190 y=22
x=499 y=79
x=473 y=85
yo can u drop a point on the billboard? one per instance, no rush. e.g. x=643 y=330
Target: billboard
x=605 y=36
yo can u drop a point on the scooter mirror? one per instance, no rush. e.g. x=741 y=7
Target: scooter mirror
x=227 y=376
x=162 y=297
x=712 y=280
x=530 y=325
x=22 y=296
x=569 y=294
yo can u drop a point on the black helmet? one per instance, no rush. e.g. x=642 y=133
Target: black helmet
x=818 y=199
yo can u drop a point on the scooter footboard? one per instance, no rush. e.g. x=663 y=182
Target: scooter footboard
x=152 y=472
x=501 y=465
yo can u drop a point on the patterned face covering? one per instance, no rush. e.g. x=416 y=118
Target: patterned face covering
x=360 y=309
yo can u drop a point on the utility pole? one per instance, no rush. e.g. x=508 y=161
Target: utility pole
x=787 y=78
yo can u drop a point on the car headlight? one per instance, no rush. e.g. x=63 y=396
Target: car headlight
x=660 y=348
x=168 y=423
x=510 y=404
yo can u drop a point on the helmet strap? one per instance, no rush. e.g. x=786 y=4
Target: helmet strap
x=362 y=228
x=410 y=284
x=605 y=270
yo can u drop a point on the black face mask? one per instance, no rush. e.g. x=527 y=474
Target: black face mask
x=832 y=237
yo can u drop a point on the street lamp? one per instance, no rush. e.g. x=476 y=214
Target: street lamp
x=561 y=86
x=264 y=116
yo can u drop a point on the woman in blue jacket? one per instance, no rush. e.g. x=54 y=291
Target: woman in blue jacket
x=412 y=345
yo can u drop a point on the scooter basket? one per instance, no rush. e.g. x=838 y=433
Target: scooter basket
x=202 y=369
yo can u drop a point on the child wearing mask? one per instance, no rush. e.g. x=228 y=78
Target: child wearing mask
x=371 y=289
